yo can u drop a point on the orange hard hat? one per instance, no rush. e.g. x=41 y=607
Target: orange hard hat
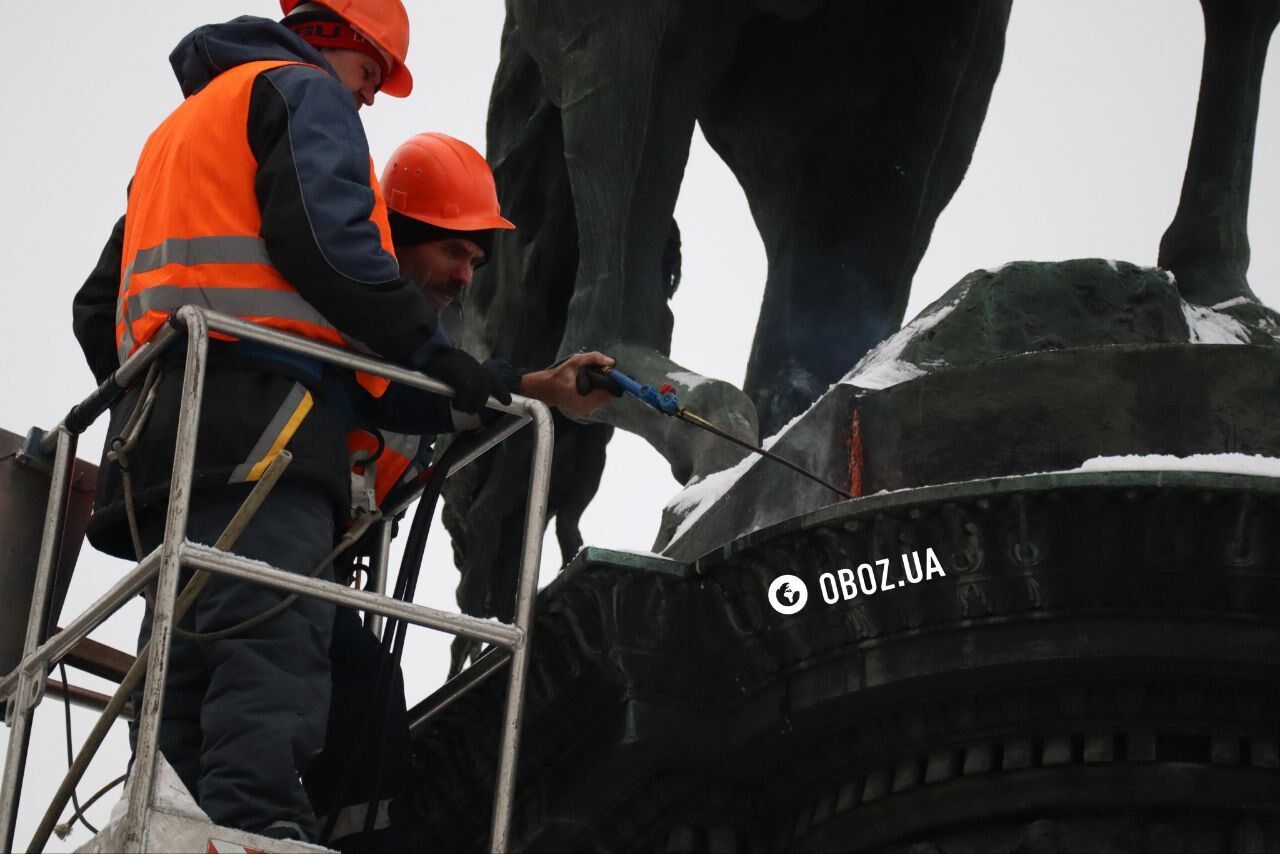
x=440 y=180
x=385 y=23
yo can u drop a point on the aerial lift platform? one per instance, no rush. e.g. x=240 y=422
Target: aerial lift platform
x=43 y=486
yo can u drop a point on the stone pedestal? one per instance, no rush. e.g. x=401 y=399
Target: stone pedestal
x=988 y=651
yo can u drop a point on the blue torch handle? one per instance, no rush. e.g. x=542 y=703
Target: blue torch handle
x=664 y=402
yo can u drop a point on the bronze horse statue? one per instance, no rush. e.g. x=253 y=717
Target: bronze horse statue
x=849 y=126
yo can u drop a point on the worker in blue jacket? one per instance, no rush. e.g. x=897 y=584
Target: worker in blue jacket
x=256 y=197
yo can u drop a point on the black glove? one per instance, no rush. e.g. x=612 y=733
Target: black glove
x=472 y=382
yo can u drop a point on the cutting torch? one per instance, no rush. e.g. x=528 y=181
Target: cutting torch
x=665 y=401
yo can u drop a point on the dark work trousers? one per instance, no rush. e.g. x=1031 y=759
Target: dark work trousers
x=245 y=716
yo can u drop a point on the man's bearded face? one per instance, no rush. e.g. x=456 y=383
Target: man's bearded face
x=443 y=269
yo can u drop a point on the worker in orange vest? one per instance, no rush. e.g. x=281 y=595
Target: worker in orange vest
x=444 y=214
x=257 y=198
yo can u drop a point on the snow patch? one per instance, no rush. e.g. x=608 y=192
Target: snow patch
x=170 y=792
x=1210 y=327
x=172 y=795
x=883 y=367
x=1111 y=262
x=773 y=440
x=1231 y=303
x=688 y=379
x=637 y=553
x=879 y=369
x=994 y=270
x=699 y=495
x=888 y=374
x=1226 y=463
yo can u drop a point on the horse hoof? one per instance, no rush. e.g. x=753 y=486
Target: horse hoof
x=691 y=451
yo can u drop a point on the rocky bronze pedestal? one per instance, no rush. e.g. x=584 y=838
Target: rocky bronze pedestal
x=1096 y=670
x=991 y=651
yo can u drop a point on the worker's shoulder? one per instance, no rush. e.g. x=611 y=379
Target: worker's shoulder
x=298 y=81
x=300 y=95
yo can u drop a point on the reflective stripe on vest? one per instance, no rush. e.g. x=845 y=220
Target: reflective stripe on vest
x=397 y=463
x=195 y=178
x=276 y=435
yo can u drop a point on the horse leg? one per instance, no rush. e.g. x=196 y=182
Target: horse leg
x=515 y=310
x=1206 y=246
x=627 y=78
x=516 y=306
x=519 y=303
x=849 y=131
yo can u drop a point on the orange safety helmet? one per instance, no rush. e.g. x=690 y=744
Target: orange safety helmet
x=440 y=180
x=386 y=24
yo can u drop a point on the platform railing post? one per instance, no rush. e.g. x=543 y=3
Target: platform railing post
x=530 y=563
x=29 y=684
x=378 y=570
x=175 y=531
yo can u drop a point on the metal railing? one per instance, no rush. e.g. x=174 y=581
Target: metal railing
x=23 y=689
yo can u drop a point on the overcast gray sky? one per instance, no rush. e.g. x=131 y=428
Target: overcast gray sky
x=1082 y=155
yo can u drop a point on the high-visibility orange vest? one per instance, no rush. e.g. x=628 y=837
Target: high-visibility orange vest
x=192 y=226
x=398 y=461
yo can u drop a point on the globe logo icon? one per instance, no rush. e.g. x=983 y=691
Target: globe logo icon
x=788 y=594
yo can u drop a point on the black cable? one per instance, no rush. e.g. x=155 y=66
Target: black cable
x=66 y=705
x=393 y=637
x=63 y=830
x=391 y=645
x=382 y=680
x=425 y=512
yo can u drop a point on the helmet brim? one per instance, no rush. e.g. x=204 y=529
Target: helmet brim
x=463 y=223
x=398 y=84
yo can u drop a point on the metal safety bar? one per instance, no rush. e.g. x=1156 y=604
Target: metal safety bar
x=205 y=557
x=30 y=687
x=477 y=674
x=121 y=592
x=24 y=687
x=378 y=571
x=396 y=503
